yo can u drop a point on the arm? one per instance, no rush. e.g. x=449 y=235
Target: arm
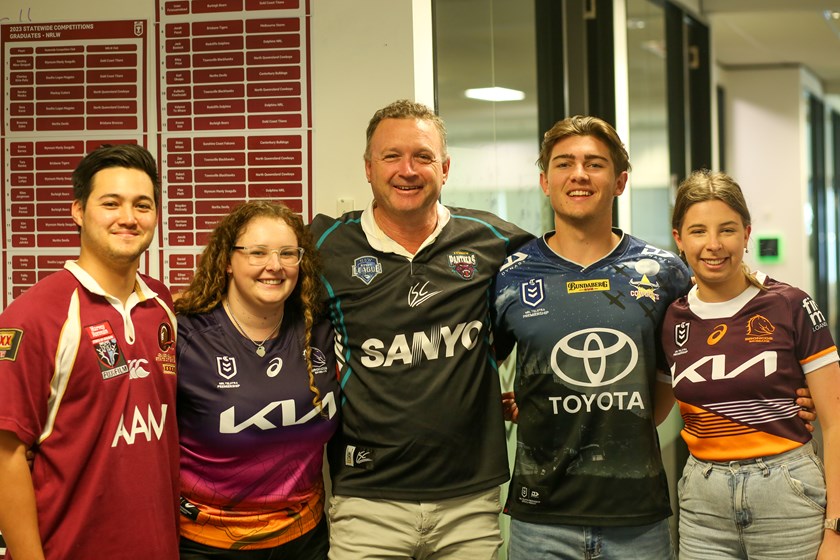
x=18 y=515
x=824 y=384
x=663 y=401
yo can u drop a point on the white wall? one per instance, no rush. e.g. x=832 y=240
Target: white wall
x=365 y=54
x=766 y=141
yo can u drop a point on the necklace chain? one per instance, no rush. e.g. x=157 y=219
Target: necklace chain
x=260 y=345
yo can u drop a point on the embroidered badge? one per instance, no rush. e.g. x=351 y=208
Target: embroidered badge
x=584 y=286
x=681 y=333
x=463 y=263
x=9 y=343
x=532 y=292
x=319 y=361
x=366 y=268
x=226 y=368
x=165 y=338
x=644 y=288
x=760 y=329
x=108 y=354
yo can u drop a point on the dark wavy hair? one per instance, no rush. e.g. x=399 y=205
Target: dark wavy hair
x=210 y=282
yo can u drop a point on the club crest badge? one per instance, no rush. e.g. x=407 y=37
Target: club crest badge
x=108 y=354
x=463 y=263
x=366 y=268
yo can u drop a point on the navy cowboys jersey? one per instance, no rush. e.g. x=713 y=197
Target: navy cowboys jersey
x=587 y=355
x=421 y=412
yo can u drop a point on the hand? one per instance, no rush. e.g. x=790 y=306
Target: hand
x=808 y=414
x=509 y=408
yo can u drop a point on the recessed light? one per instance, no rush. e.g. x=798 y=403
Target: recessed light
x=495 y=94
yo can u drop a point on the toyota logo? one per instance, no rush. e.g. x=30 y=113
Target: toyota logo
x=595 y=348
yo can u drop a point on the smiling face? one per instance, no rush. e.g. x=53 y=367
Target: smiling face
x=117 y=222
x=713 y=238
x=262 y=288
x=581 y=182
x=406 y=167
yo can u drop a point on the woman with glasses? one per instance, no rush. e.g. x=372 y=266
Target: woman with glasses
x=256 y=392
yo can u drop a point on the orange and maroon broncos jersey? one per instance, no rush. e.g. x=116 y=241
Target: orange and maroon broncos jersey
x=736 y=365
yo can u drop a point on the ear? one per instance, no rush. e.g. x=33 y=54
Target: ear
x=677 y=239
x=544 y=184
x=747 y=232
x=367 y=169
x=621 y=183
x=445 y=168
x=77 y=212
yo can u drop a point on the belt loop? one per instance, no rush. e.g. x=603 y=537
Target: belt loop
x=765 y=470
x=707 y=470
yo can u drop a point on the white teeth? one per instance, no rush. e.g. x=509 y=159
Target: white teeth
x=580 y=193
x=713 y=261
x=405 y=188
x=272 y=282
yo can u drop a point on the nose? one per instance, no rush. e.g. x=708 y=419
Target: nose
x=579 y=171
x=713 y=242
x=406 y=166
x=274 y=261
x=127 y=215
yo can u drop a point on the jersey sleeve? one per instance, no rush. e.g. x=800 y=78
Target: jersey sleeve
x=27 y=356
x=815 y=346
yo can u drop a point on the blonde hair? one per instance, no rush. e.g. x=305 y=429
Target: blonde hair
x=705 y=185
x=210 y=282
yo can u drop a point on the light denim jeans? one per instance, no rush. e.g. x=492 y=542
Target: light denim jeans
x=761 y=509
x=535 y=541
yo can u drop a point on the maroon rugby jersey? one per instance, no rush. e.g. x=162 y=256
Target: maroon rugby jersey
x=736 y=365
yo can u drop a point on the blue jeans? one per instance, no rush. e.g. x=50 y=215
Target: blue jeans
x=533 y=541
x=761 y=509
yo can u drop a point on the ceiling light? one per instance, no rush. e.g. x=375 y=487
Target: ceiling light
x=495 y=94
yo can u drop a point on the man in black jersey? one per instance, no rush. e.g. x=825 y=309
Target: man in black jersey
x=417 y=462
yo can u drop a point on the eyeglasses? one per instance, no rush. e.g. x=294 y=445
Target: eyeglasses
x=259 y=255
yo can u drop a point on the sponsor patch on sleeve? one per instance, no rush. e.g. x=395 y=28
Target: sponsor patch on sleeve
x=9 y=343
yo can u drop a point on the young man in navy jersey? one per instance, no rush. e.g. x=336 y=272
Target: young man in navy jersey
x=585 y=303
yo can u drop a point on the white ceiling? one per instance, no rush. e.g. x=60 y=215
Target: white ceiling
x=777 y=32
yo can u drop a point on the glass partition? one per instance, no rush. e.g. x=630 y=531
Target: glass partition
x=493 y=144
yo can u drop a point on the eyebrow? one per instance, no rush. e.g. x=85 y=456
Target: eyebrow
x=123 y=197
x=586 y=157
x=729 y=223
